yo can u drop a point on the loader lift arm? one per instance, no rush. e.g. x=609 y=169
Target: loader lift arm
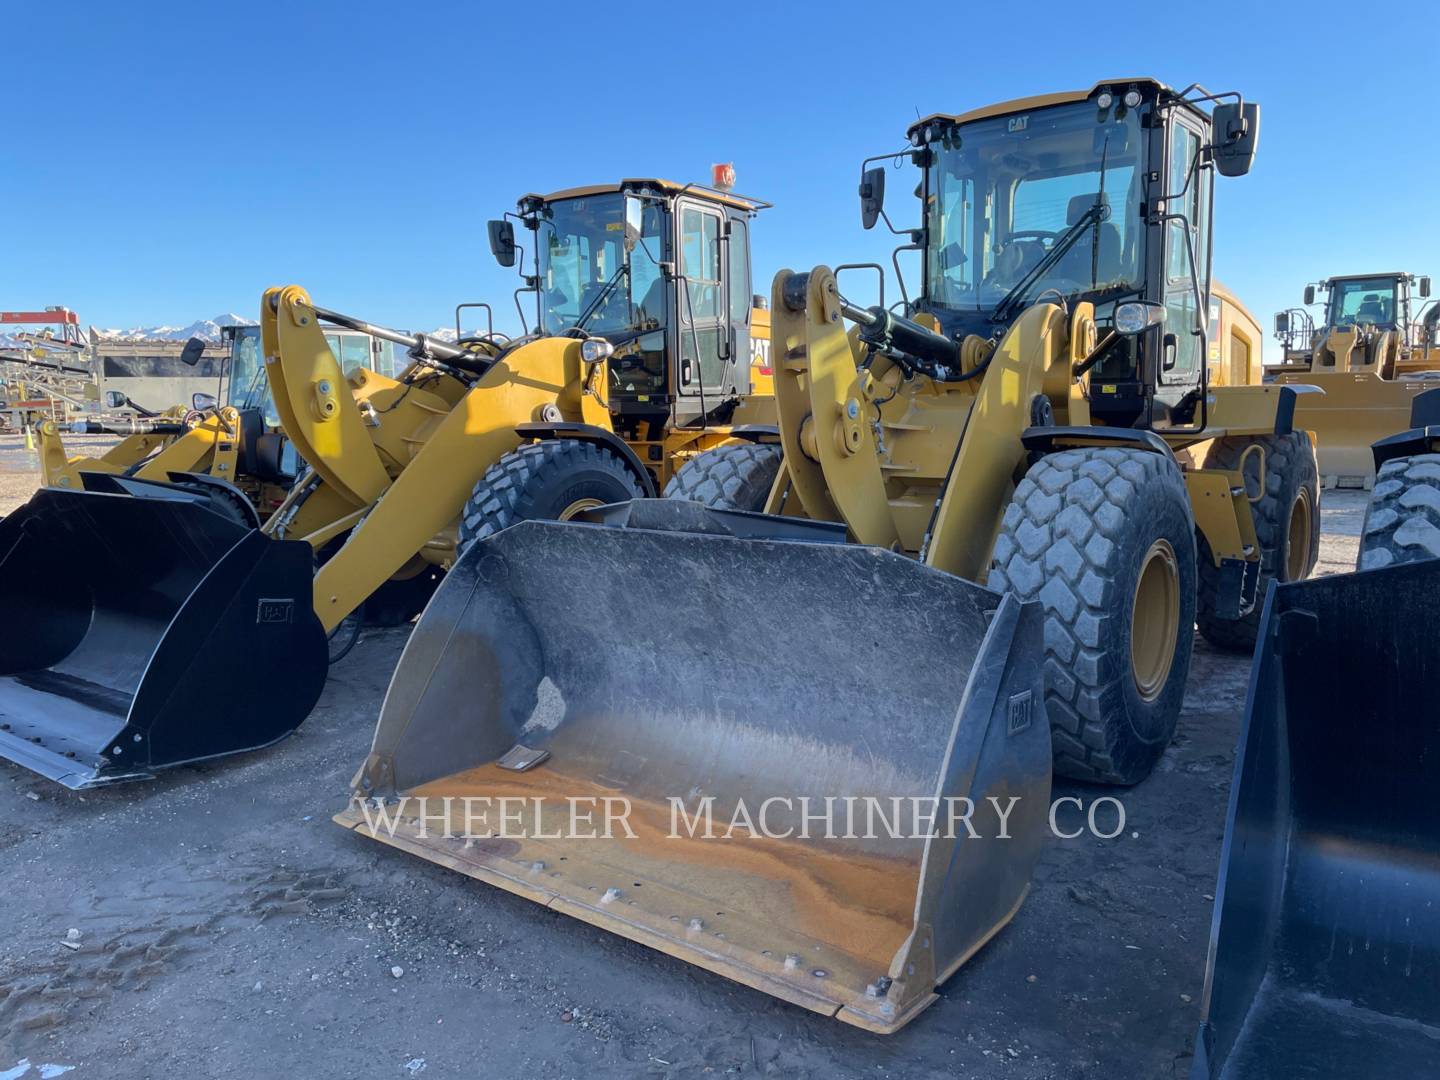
x=404 y=454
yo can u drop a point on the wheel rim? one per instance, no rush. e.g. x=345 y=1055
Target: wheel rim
x=1297 y=561
x=1155 y=619
x=578 y=506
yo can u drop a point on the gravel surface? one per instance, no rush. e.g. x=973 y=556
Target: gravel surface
x=226 y=928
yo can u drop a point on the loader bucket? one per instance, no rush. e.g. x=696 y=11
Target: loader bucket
x=1325 y=948
x=1356 y=410
x=145 y=632
x=567 y=664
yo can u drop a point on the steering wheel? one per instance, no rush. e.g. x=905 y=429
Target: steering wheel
x=1031 y=234
x=483 y=344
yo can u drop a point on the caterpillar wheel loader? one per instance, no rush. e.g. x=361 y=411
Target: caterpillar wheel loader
x=1323 y=958
x=238 y=441
x=1376 y=349
x=469 y=438
x=982 y=541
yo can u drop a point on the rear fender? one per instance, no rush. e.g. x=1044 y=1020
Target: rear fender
x=541 y=431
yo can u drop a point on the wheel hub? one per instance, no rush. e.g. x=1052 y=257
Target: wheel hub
x=1155 y=619
x=577 y=507
x=1297 y=553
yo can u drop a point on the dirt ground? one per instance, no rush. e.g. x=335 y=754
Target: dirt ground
x=227 y=928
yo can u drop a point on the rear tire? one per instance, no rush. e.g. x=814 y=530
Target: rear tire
x=1104 y=539
x=1287 y=524
x=737 y=476
x=545 y=480
x=1402 y=522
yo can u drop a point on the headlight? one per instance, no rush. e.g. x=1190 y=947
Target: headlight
x=1136 y=316
x=917 y=138
x=1105 y=100
x=593 y=350
x=1132 y=98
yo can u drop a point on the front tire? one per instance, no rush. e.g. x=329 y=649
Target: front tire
x=1287 y=525
x=737 y=476
x=550 y=481
x=1104 y=539
x=1402 y=522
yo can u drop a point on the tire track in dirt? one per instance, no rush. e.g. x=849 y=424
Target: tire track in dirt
x=133 y=940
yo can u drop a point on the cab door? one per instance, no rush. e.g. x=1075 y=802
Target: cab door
x=703 y=318
x=1182 y=357
x=737 y=284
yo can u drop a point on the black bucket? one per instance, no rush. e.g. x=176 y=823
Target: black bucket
x=1325 y=949
x=138 y=633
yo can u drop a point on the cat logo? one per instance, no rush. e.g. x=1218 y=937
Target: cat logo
x=1017 y=123
x=1020 y=712
x=272 y=612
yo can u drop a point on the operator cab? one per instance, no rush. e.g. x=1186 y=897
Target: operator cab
x=1103 y=196
x=660 y=271
x=1381 y=301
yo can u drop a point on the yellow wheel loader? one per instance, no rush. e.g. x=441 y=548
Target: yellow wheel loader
x=1375 y=351
x=469 y=438
x=238 y=442
x=983 y=539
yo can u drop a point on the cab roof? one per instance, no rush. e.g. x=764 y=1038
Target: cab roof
x=1366 y=277
x=1040 y=101
x=668 y=187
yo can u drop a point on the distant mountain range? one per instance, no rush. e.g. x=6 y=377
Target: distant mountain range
x=207 y=329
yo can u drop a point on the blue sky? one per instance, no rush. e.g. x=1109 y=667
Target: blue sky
x=167 y=161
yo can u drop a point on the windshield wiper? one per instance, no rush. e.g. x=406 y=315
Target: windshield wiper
x=600 y=297
x=1067 y=240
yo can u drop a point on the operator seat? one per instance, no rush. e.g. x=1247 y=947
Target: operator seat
x=1075 y=264
x=1371 y=310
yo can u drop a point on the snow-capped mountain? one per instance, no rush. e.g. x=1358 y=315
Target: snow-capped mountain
x=208 y=329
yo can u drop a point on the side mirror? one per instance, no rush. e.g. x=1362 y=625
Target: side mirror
x=1309 y=295
x=502 y=242
x=1235 y=129
x=1424 y=287
x=194 y=349
x=872 y=196
x=114 y=399
x=1282 y=323
x=202 y=402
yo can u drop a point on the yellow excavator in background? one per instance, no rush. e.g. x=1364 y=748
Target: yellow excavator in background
x=640 y=360
x=1376 y=350
x=998 y=515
